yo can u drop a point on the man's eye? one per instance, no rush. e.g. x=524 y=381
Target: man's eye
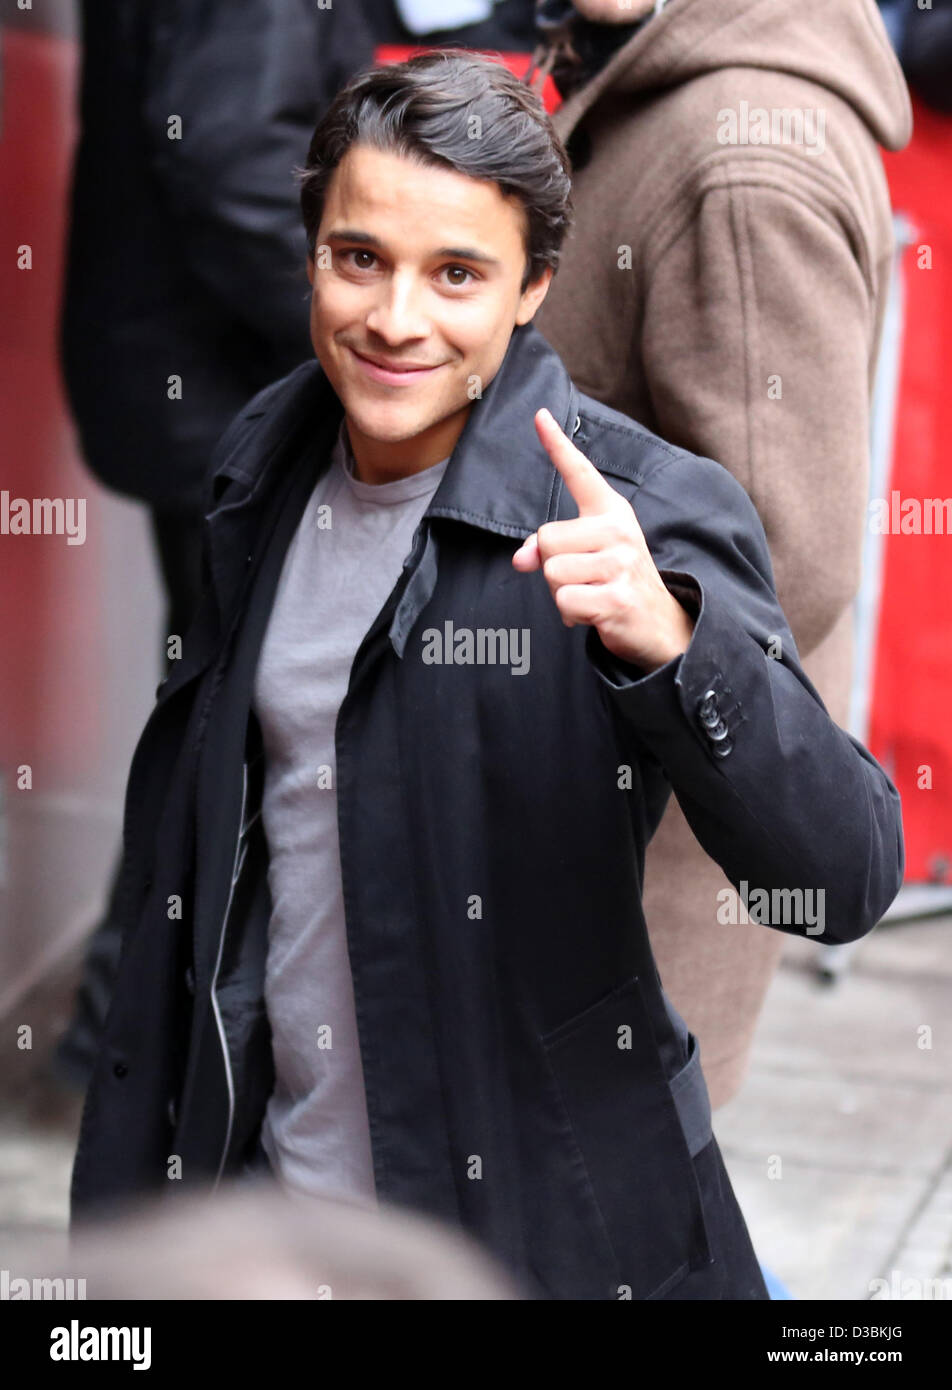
x=459 y=270
x=359 y=252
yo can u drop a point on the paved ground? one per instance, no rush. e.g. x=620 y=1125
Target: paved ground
x=839 y=1145
x=840 y=1142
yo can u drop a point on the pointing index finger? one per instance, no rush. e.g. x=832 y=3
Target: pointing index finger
x=591 y=492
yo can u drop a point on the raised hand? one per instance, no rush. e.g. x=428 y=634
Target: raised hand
x=598 y=565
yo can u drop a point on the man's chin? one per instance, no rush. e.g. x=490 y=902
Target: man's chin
x=391 y=425
x=385 y=431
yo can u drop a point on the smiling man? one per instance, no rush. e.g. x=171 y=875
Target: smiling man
x=403 y=327
x=382 y=903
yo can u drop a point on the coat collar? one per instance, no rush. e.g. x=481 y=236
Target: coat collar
x=499 y=477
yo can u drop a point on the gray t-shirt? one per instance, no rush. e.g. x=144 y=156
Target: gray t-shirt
x=341 y=566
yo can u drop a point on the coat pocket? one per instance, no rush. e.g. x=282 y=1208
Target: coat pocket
x=635 y=1132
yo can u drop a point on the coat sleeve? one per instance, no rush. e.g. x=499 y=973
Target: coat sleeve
x=757 y=340
x=248 y=82
x=775 y=791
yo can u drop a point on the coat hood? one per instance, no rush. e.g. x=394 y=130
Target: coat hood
x=838 y=44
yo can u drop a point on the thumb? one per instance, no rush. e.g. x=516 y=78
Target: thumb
x=526 y=559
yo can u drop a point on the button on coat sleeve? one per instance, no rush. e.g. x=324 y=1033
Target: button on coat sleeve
x=775 y=791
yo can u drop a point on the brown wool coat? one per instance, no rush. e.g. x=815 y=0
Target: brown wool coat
x=747 y=262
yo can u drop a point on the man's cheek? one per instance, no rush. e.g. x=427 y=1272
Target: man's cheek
x=330 y=302
x=476 y=372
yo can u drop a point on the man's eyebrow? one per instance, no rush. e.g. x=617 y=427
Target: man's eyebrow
x=348 y=234
x=459 y=253
x=467 y=253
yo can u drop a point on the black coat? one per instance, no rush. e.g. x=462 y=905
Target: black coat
x=511 y=1019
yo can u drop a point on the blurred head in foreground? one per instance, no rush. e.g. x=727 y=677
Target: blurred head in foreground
x=251 y=1241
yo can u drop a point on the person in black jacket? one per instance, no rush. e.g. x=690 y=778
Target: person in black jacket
x=465 y=628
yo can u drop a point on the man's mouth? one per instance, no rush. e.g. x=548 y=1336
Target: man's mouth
x=394 y=373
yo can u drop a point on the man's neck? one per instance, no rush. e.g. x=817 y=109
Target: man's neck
x=378 y=461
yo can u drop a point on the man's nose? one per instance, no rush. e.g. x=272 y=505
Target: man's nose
x=398 y=314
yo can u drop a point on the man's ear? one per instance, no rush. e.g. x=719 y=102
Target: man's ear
x=533 y=295
x=310 y=270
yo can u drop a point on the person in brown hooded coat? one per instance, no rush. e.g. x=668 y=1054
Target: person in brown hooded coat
x=725 y=285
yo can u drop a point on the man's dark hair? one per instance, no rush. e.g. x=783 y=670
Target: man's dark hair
x=461 y=111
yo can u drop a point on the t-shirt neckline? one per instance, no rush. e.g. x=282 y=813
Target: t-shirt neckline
x=400 y=490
